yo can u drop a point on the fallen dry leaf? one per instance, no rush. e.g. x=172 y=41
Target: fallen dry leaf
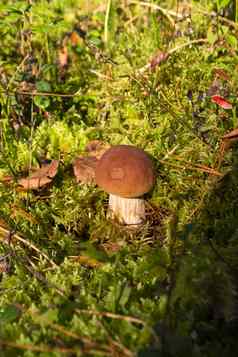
x=224 y=147
x=25 y=86
x=226 y=144
x=96 y=148
x=215 y=88
x=40 y=177
x=6 y=179
x=3 y=224
x=4 y=264
x=112 y=247
x=84 y=169
x=63 y=57
x=158 y=58
x=22 y=213
x=221 y=73
x=75 y=39
x=231 y=135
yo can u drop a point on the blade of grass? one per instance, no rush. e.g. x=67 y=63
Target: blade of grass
x=106 y=22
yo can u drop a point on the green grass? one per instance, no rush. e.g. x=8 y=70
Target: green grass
x=72 y=282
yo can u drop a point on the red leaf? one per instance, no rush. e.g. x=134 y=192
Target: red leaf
x=223 y=103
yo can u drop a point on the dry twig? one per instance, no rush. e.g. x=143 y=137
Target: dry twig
x=167 y=13
x=112 y=316
x=170 y=52
x=196 y=167
x=6 y=233
x=39 y=348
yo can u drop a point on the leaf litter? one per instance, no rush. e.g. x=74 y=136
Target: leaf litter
x=40 y=177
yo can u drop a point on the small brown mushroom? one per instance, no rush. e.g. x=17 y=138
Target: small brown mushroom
x=126 y=173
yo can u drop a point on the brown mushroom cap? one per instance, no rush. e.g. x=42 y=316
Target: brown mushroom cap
x=125 y=171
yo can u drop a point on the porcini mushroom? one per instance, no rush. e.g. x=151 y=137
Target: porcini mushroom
x=126 y=173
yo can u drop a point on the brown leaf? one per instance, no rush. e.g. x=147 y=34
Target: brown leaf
x=231 y=135
x=112 y=247
x=158 y=58
x=75 y=39
x=226 y=144
x=40 y=177
x=25 y=86
x=96 y=148
x=63 y=57
x=4 y=264
x=84 y=169
x=224 y=147
x=215 y=87
x=3 y=224
x=7 y=179
x=221 y=73
x=22 y=213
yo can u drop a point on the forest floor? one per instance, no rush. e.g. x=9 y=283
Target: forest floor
x=159 y=77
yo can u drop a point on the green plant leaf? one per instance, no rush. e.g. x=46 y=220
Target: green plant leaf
x=42 y=102
x=223 y=3
x=91 y=251
x=43 y=86
x=8 y=314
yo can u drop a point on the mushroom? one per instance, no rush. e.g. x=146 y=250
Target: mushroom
x=126 y=173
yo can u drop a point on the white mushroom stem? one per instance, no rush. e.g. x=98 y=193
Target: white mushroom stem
x=128 y=211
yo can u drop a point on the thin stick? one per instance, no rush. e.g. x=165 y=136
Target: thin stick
x=209 y=169
x=17 y=70
x=169 y=153
x=175 y=49
x=43 y=94
x=39 y=276
x=165 y=12
x=32 y=246
x=157 y=7
x=114 y=343
x=30 y=347
x=7 y=232
x=44 y=348
x=225 y=20
x=100 y=75
x=112 y=315
x=189 y=166
x=88 y=343
x=199 y=40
